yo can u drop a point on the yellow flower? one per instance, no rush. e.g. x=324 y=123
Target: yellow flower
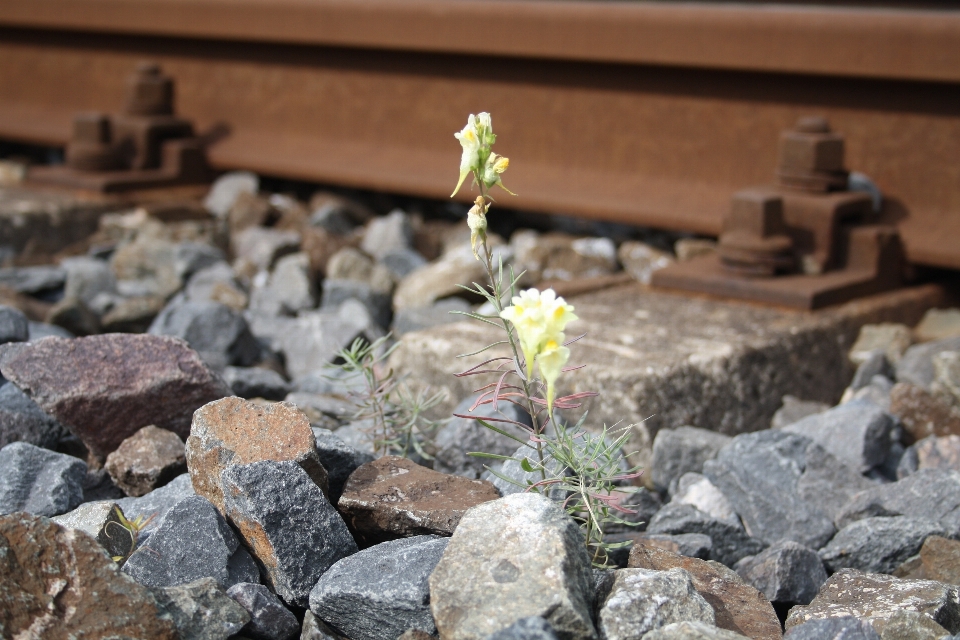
x=477 y=221
x=495 y=166
x=556 y=312
x=469 y=139
x=538 y=318
x=553 y=357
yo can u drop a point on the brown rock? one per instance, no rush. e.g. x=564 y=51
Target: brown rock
x=58 y=583
x=132 y=315
x=939 y=453
x=940 y=560
x=104 y=388
x=235 y=431
x=148 y=459
x=738 y=606
x=393 y=497
x=923 y=413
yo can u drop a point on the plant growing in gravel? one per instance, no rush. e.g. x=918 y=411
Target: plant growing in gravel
x=131 y=529
x=584 y=469
x=394 y=411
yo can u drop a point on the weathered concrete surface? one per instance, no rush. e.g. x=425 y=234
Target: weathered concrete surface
x=681 y=360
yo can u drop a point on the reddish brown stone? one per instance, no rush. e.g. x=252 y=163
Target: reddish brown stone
x=738 y=606
x=58 y=583
x=940 y=560
x=148 y=459
x=235 y=431
x=393 y=497
x=923 y=413
x=104 y=388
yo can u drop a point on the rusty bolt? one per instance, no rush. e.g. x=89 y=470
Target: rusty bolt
x=811 y=146
x=755 y=241
x=149 y=92
x=90 y=149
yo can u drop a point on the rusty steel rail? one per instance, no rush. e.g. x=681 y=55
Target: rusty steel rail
x=649 y=113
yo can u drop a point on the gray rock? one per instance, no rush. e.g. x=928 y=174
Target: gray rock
x=758 y=473
x=634 y=602
x=932 y=494
x=201 y=610
x=640 y=260
x=218 y=333
x=857 y=432
x=225 y=190
x=911 y=625
x=39 y=330
x=440 y=312
x=100 y=521
x=532 y=628
x=916 y=366
x=730 y=542
x=216 y=283
x=324 y=408
x=696 y=490
x=192 y=541
x=786 y=572
x=876 y=598
x=14 y=326
x=946 y=365
x=86 y=278
x=288 y=290
x=382 y=591
x=838 y=628
x=692 y=631
x=38 y=481
x=336 y=291
x=930 y=453
x=889 y=338
x=691 y=545
x=158 y=502
x=401 y=262
x=876 y=391
x=681 y=450
x=21 y=420
x=462 y=435
x=878 y=545
x=192 y=257
x=339 y=459
x=288 y=524
x=876 y=364
x=269 y=619
x=33 y=280
x=98 y=485
x=829 y=483
x=316 y=629
x=254 y=382
x=510 y=478
x=509 y=559
x=644 y=503
x=794 y=409
x=261 y=247
x=390 y=233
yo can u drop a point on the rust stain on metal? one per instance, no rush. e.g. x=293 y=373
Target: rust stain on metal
x=646 y=113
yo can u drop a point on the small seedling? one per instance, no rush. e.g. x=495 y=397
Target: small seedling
x=131 y=528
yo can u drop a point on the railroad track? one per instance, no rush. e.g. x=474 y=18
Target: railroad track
x=649 y=113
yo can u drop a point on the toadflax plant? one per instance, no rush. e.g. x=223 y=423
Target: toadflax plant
x=583 y=469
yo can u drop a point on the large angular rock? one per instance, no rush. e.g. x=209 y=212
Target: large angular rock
x=104 y=388
x=509 y=559
x=878 y=545
x=923 y=413
x=316 y=629
x=101 y=521
x=737 y=606
x=758 y=473
x=59 y=583
x=393 y=497
x=21 y=420
x=377 y=302
x=287 y=523
x=391 y=232
x=192 y=541
x=786 y=573
x=148 y=459
x=890 y=339
x=876 y=598
x=202 y=610
x=829 y=483
x=380 y=592
x=940 y=558
x=339 y=459
x=916 y=366
x=857 y=433
x=634 y=602
x=38 y=481
x=158 y=502
x=933 y=494
x=86 y=278
x=730 y=542
x=269 y=619
x=218 y=333
x=234 y=431
x=14 y=326
x=839 y=628
x=460 y=436
x=682 y=450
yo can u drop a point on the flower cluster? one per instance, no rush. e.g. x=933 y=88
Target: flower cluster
x=540 y=320
x=476 y=138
